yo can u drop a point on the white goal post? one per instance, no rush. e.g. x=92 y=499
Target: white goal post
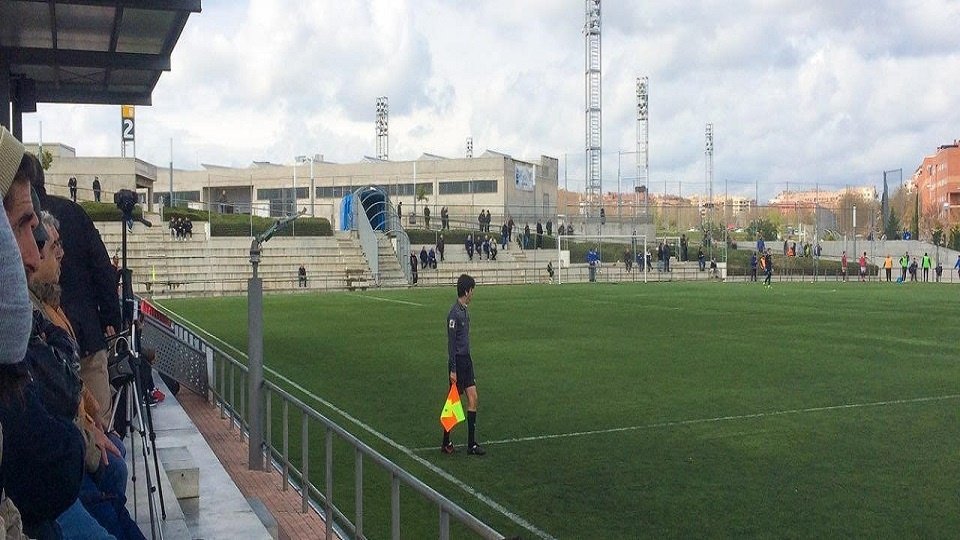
x=636 y=246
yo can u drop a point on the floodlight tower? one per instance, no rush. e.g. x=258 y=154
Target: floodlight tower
x=469 y=147
x=643 y=138
x=383 y=118
x=594 y=180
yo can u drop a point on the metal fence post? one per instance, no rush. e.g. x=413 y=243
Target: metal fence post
x=329 y=486
x=394 y=506
x=305 y=461
x=358 y=492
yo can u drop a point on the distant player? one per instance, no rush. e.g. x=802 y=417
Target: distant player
x=459 y=363
x=768 y=269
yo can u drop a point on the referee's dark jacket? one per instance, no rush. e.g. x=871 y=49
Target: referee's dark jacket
x=88 y=279
x=458 y=335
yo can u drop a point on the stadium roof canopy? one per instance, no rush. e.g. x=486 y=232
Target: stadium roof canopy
x=86 y=51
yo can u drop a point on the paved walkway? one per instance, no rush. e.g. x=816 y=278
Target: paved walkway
x=231 y=448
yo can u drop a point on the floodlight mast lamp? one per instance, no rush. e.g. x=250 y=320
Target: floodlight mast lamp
x=383 y=128
x=592 y=127
x=255 y=343
x=643 y=145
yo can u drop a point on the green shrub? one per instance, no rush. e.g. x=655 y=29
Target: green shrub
x=101 y=211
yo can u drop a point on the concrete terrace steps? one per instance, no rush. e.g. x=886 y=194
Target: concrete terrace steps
x=201 y=265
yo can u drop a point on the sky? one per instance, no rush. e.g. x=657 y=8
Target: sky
x=800 y=93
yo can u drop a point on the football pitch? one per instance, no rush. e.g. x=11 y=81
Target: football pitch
x=642 y=410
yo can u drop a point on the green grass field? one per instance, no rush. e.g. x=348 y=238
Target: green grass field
x=642 y=410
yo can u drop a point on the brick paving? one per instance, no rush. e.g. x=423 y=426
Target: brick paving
x=230 y=447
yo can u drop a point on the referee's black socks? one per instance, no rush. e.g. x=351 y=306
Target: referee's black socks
x=446 y=438
x=471 y=427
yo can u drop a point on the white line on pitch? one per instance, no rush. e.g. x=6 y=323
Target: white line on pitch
x=389 y=300
x=435 y=469
x=676 y=423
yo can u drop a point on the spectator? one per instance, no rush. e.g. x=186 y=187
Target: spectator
x=72 y=184
x=753 y=266
x=440 y=247
x=504 y=236
x=468 y=245
x=423 y=257
x=539 y=244
x=400 y=210
x=549 y=227
x=480 y=220
x=683 y=247
x=426 y=216
x=957 y=266
x=569 y=228
x=444 y=222
x=103 y=492
x=302 y=276
x=89 y=291
x=486 y=246
x=939 y=270
x=913 y=269
x=701 y=259
x=714 y=271
x=188 y=228
x=627 y=260
x=526 y=236
x=666 y=257
x=413 y=266
x=432 y=259
x=550 y=270
x=493 y=250
x=42 y=454
x=96 y=188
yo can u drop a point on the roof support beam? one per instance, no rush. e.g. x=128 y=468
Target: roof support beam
x=83 y=94
x=157 y=5
x=85 y=59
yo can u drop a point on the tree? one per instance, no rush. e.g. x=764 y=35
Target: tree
x=421 y=194
x=46 y=159
x=763 y=227
x=915 y=222
x=954 y=242
x=892 y=227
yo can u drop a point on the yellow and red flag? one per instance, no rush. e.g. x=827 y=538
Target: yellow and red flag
x=452 y=413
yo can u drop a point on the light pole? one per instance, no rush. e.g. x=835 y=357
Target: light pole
x=312 y=195
x=855 y=231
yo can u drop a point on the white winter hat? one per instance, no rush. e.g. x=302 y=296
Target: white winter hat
x=11 y=152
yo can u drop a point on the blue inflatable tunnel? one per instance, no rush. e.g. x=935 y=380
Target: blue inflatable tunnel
x=375 y=204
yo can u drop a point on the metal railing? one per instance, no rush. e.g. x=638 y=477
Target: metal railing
x=226 y=387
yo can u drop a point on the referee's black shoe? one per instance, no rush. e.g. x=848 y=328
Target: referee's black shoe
x=448 y=448
x=476 y=450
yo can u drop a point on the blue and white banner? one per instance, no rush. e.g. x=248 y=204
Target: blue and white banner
x=525 y=179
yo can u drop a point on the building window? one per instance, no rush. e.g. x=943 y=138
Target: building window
x=282 y=193
x=468 y=186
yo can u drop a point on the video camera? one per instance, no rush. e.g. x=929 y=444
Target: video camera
x=125 y=200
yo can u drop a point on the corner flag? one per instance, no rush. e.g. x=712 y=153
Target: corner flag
x=452 y=413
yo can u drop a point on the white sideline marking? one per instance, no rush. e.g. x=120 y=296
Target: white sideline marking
x=675 y=423
x=411 y=453
x=389 y=300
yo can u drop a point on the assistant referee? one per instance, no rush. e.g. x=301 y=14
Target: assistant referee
x=459 y=363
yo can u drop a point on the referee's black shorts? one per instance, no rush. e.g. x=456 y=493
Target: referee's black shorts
x=465 y=378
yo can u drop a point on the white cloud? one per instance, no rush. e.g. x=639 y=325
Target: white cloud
x=829 y=92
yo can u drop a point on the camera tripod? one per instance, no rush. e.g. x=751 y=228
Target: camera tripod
x=129 y=388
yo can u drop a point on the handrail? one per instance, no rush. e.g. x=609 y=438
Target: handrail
x=224 y=388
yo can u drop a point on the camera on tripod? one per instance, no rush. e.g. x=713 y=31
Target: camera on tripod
x=125 y=200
